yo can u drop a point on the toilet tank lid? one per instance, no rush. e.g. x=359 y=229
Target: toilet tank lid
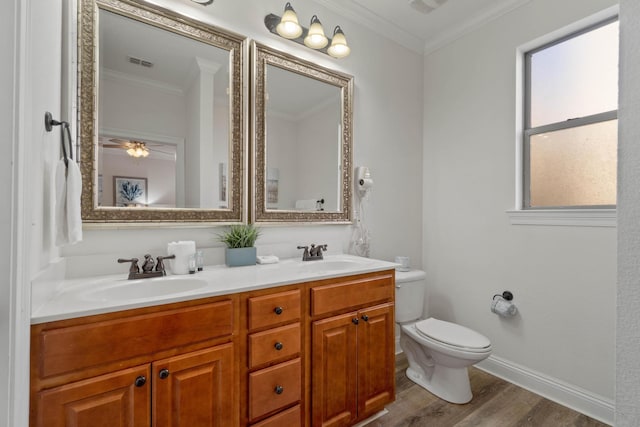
x=410 y=276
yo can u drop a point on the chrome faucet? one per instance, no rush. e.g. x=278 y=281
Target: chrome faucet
x=313 y=253
x=147 y=267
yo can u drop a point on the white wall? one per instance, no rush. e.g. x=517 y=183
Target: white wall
x=387 y=138
x=296 y=147
x=220 y=148
x=628 y=319
x=130 y=105
x=282 y=152
x=30 y=84
x=9 y=116
x=322 y=125
x=563 y=278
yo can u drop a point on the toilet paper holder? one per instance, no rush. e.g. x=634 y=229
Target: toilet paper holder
x=506 y=295
x=502 y=304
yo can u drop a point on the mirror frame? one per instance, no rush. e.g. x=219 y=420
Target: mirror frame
x=262 y=56
x=88 y=102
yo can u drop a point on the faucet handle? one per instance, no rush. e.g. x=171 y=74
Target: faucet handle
x=160 y=263
x=134 y=264
x=305 y=254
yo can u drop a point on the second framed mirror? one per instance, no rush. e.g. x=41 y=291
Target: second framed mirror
x=302 y=147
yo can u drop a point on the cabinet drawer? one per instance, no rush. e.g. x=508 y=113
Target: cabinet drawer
x=274 y=344
x=352 y=294
x=273 y=388
x=78 y=347
x=274 y=309
x=288 y=418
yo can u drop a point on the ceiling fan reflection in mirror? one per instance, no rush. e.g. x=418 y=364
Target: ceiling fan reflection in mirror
x=136 y=148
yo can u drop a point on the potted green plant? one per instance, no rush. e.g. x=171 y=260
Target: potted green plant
x=240 y=240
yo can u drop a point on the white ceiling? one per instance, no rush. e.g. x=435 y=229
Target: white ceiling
x=421 y=32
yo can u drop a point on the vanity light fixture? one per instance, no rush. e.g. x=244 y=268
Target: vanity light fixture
x=288 y=27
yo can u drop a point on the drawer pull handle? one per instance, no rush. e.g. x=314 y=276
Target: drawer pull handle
x=278 y=310
x=355 y=321
x=163 y=374
x=279 y=389
x=365 y=317
x=278 y=346
x=140 y=381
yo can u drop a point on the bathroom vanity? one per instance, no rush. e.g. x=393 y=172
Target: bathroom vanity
x=290 y=344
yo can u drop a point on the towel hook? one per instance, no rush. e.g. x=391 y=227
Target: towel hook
x=49 y=123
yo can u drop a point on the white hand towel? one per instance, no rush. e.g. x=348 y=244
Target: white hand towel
x=267 y=259
x=68 y=194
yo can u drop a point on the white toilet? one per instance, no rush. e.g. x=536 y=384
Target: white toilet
x=438 y=352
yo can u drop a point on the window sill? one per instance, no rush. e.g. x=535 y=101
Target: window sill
x=566 y=217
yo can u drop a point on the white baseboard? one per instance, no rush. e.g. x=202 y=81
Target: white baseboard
x=372 y=417
x=568 y=395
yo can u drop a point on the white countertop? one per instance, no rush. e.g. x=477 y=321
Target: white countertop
x=104 y=294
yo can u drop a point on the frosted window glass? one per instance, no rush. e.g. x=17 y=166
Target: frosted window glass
x=575 y=78
x=575 y=167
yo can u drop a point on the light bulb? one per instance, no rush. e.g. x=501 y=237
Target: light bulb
x=315 y=38
x=289 y=28
x=338 y=48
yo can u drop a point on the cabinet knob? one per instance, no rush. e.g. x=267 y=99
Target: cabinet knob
x=278 y=310
x=140 y=381
x=163 y=374
x=355 y=321
x=278 y=346
x=279 y=389
x=365 y=317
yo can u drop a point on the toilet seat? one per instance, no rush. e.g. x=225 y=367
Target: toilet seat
x=453 y=335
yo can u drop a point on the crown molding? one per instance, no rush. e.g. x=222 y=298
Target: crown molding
x=375 y=23
x=382 y=26
x=131 y=80
x=467 y=26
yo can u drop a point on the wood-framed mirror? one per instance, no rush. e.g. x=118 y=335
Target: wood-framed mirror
x=302 y=140
x=162 y=116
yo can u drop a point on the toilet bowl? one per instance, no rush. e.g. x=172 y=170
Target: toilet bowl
x=438 y=352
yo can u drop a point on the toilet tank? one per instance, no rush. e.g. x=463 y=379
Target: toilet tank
x=410 y=289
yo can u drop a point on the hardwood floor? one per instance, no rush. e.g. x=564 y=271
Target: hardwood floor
x=495 y=403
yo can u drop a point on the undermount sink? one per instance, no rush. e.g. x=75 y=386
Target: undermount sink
x=328 y=265
x=144 y=288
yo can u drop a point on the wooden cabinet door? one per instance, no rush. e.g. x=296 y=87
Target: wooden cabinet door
x=334 y=371
x=105 y=401
x=196 y=389
x=376 y=359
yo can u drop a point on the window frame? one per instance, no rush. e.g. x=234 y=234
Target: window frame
x=529 y=131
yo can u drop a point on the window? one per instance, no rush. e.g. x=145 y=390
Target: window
x=571 y=108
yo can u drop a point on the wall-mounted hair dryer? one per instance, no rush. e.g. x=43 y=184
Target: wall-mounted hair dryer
x=363 y=180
